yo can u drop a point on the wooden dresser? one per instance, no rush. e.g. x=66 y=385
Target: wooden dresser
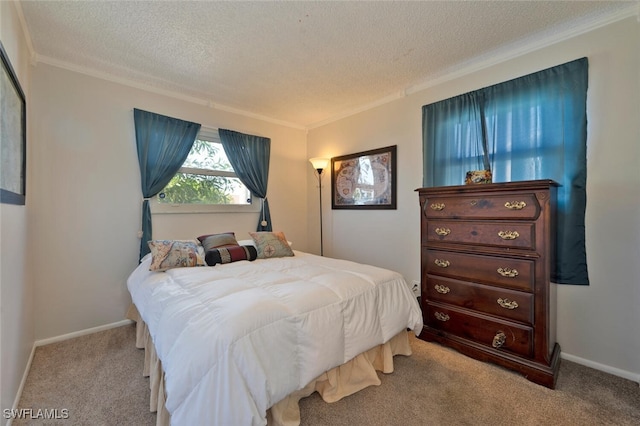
x=487 y=254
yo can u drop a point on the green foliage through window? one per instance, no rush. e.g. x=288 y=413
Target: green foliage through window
x=206 y=177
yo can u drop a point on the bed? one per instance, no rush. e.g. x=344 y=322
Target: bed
x=242 y=342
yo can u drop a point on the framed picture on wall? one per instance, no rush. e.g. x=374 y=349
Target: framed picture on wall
x=13 y=142
x=364 y=180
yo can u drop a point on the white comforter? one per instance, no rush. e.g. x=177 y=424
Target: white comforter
x=235 y=339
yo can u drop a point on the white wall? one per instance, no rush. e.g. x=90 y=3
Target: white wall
x=86 y=191
x=598 y=324
x=16 y=292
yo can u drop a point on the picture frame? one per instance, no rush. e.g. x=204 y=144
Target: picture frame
x=365 y=180
x=13 y=140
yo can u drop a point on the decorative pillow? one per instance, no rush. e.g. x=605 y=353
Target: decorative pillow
x=271 y=244
x=253 y=243
x=167 y=254
x=230 y=254
x=211 y=241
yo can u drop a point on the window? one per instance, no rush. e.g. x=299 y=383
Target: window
x=531 y=127
x=205 y=183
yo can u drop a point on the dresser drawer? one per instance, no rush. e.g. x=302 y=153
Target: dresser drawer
x=498 y=234
x=493 y=270
x=510 y=304
x=501 y=335
x=523 y=206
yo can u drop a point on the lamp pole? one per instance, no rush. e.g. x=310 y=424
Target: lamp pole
x=320 y=187
x=320 y=164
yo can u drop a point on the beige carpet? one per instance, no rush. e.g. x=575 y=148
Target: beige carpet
x=98 y=379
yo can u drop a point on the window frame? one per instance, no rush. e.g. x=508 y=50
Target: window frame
x=209 y=135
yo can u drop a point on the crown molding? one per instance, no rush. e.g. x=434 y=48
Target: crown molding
x=25 y=31
x=477 y=64
x=165 y=92
x=517 y=50
x=497 y=57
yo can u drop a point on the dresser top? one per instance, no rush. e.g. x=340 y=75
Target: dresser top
x=491 y=187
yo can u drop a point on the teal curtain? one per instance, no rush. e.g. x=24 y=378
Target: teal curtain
x=532 y=127
x=456 y=124
x=249 y=156
x=163 y=145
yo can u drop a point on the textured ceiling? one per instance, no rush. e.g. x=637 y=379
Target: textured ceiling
x=301 y=63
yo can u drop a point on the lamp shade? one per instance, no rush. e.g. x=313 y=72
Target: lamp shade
x=319 y=163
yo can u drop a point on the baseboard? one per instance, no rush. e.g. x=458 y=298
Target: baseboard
x=22 y=382
x=635 y=377
x=81 y=333
x=50 y=340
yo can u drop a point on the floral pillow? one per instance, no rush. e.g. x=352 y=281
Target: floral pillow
x=271 y=244
x=168 y=254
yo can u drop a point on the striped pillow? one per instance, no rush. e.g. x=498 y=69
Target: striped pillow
x=230 y=254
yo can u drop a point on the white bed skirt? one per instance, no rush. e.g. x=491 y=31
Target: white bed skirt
x=332 y=385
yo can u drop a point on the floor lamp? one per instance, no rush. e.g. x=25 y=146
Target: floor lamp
x=320 y=164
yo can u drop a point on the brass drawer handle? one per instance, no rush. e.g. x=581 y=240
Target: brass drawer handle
x=443 y=232
x=515 y=205
x=442 y=289
x=508 y=235
x=442 y=263
x=499 y=339
x=441 y=317
x=508 y=272
x=507 y=304
x=437 y=206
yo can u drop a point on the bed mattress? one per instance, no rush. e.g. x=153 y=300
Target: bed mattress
x=234 y=339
